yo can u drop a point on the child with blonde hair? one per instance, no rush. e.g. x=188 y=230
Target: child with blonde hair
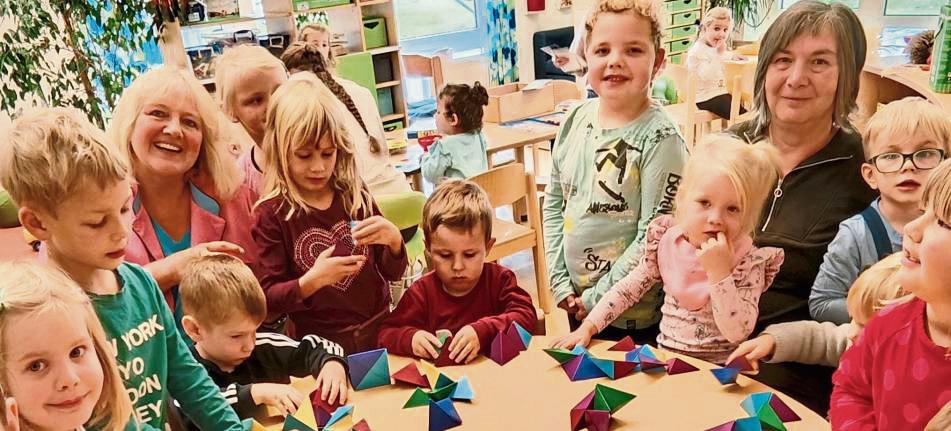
x=896 y=375
x=68 y=381
x=224 y=306
x=903 y=142
x=245 y=77
x=461 y=152
x=822 y=343
x=705 y=61
x=372 y=156
x=472 y=299
x=320 y=36
x=616 y=166
x=325 y=252
x=75 y=196
x=704 y=255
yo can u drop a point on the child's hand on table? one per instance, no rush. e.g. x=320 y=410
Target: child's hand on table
x=580 y=337
x=282 y=397
x=755 y=349
x=332 y=382
x=328 y=270
x=464 y=346
x=716 y=257
x=425 y=345
x=378 y=230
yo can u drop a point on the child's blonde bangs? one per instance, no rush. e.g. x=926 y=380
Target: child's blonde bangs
x=214 y=160
x=234 y=64
x=902 y=119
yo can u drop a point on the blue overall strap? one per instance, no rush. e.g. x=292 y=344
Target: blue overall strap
x=879 y=235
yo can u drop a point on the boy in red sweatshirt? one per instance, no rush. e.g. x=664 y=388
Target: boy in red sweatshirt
x=472 y=299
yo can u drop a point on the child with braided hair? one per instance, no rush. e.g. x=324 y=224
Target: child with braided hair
x=373 y=162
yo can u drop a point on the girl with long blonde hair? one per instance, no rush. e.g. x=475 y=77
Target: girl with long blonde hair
x=325 y=252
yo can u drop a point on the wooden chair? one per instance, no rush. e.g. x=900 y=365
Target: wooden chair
x=507 y=185
x=742 y=92
x=693 y=122
x=422 y=66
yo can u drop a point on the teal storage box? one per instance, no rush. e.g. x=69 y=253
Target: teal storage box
x=374 y=32
x=384 y=101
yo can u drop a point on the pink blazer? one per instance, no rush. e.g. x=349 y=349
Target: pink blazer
x=233 y=224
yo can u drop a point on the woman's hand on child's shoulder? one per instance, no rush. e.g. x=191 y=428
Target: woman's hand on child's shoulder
x=328 y=270
x=580 y=337
x=755 y=349
x=282 y=397
x=378 y=230
x=332 y=383
x=465 y=345
x=426 y=345
x=12 y=414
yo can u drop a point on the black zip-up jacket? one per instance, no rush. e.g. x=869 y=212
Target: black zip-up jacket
x=275 y=358
x=802 y=216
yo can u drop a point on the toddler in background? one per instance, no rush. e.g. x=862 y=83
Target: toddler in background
x=461 y=152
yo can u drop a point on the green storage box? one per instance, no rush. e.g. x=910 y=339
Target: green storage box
x=679 y=5
x=306 y=5
x=390 y=126
x=374 y=32
x=384 y=101
x=678 y=46
x=358 y=67
x=682 y=32
x=676 y=59
x=685 y=18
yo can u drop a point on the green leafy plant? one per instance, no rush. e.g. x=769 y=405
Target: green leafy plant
x=62 y=52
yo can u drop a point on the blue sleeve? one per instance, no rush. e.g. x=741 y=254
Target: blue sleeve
x=840 y=267
x=435 y=163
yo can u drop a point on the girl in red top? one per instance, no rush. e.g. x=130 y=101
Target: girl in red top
x=896 y=375
x=326 y=254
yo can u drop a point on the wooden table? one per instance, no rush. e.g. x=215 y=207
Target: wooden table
x=533 y=393
x=885 y=79
x=501 y=138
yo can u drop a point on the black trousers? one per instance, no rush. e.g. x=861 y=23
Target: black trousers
x=719 y=105
x=646 y=335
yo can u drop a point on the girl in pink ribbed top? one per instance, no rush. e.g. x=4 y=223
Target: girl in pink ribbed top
x=713 y=275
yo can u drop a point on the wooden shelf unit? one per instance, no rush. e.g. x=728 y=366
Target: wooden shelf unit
x=281 y=16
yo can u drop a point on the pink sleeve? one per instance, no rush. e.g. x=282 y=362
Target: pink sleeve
x=634 y=285
x=851 y=406
x=735 y=299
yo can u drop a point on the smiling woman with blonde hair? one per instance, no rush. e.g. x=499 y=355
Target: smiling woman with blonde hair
x=189 y=193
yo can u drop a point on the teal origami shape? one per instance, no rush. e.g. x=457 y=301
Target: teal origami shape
x=339 y=414
x=369 y=369
x=291 y=423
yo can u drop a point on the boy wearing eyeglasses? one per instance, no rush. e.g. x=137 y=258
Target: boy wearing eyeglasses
x=903 y=141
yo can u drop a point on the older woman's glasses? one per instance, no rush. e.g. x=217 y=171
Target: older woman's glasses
x=887 y=163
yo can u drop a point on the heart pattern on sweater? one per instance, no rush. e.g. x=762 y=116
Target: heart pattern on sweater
x=314 y=241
